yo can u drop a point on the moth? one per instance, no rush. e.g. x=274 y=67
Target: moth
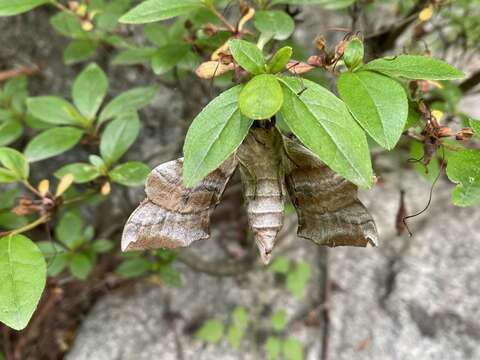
x=273 y=168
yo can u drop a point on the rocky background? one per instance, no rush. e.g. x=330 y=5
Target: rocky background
x=409 y=298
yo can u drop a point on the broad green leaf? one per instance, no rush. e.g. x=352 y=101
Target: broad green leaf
x=261 y=97
x=69 y=230
x=377 y=102
x=14 y=164
x=155 y=10
x=134 y=56
x=22 y=279
x=15 y=86
x=52 y=142
x=211 y=331
x=89 y=90
x=213 y=136
x=248 y=56
x=168 y=56
x=280 y=60
x=68 y=25
x=156 y=33
x=277 y=23
x=9 y=132
x=430 y=171
x=131 y=173
x=293 y=349
x=82 y=172
x=118 y=136
x=273 y=347
x=78 y=51
x=130 y=100
x=80 y=266
x=353 y=54
x=279 y=320
x=415 y=67
x=322 y=122
x=53 y=110
x=135 y=267
x=463 y=169
x=102 y=246
x=14 y=7
x=11 y=221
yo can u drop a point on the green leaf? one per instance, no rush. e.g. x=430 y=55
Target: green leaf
x=156 y=33
x=276 y=23
x=49 y=248
x=280 y=60
x=102 y=246
x=155 y=10
x=9 y=132
x=168 y=56
x=53 y=110
x=240 y=316
x=69 y=230
x=78 y=51
x=170 y=275
x=353 y=54
x=68 y=25
x=327 y=4
x=213 y=136
x=81 y=172
x=280 y=265
x=297 y=280
x=22 y=279
x=430 y=171
x=133 y=267
x=377 y=102
x=52 y=142
x=475 y=125
x=118 y=136
x=89 y=90
x=134 y=56
x=322 y=122
x=279 y=320
x=293 y=349
x=80 y=266
x=130 y=100
x=58 y=263
x=15 y=165
x=273 y=347
x=248 y=56
x=235 y=335
x=15 y=7
x=211 y=331
x=415 y=67
x=255 y=106
x=131 y=173
x=463 y=169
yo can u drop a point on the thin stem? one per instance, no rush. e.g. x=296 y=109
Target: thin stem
x=62 y=7
x=41 y=220
x=222 y=18
x=31 y=188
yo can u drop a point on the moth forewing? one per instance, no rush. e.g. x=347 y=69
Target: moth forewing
x=329 y=212
x=260 y=162
x=172 y=215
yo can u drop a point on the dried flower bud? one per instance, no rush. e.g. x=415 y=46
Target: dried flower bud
x=64 y=184
x=316 y=60
x=298 y=67
x=81 y=10
x=320 y=43
x=210 y=29
x=43 y=187
x=73 y=5
x=87 y=25
x=210 y=69
x=426 y=14
x=245 y=18
x=444 y=131
x=106 y=189
x=222 y=50
x=340 y=48
x=464 y=134
x=437 y=114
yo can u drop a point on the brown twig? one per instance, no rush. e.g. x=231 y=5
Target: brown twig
x=23 y=70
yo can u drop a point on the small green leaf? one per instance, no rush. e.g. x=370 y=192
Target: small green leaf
x=118 y=136
x=280 y=60
x=322 y=122
x=415 y=67
x=280 y=265
x=133 y=267
x=52 y=142
x=58 y=263
x=213 y=136
x=22 y=279
x=69 y=230
x=168 y=56
x=134 y=56
x=10 y=131
x=68 y=25
x=102 y=246
x=130 y=100
x=255 y=106
x=475 y=125
x=49 y=248
x=377 y=102
x=240 y=317
x=248 y=56
x=273 y=347
x=235 y=335
x=155 y=10
x=15 y=7
x=82 y=172
x=15 y=165
x=131 y=173
x=353 y=54
x=170 y=275
x=297 y=280
x=211 y=331
x=293 y=349
x=276 y=23
x=430 y=171
x=53 y=110
x=78 y=51
x=279 y=320
x=463 y=169
x=89 y=89
x=80 y=266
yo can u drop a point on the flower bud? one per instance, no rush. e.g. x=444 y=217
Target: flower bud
x=353 y=54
